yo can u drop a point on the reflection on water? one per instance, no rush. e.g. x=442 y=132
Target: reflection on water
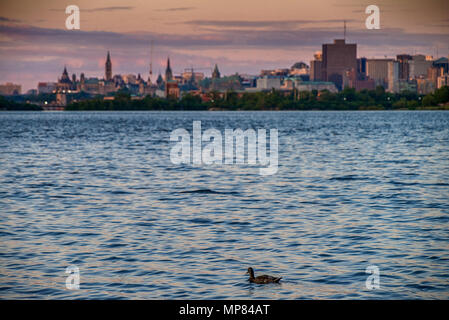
x=98 y=190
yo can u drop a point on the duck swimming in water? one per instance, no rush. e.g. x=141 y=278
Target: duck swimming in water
x=261 y=279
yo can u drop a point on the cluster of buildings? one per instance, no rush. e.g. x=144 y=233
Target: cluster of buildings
x=10 y=89
x=338 y=63
x=333 y=68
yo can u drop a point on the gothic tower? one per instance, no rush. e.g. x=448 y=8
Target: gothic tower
x=168 y=72
x=216 y=73
x=108 y=68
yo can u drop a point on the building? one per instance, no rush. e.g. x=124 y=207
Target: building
x=10 y=89
x=403 y=60
x=425 y=86
x=349 y=79
x=216 y=73
x=172 y=89
x=160 y=82
x=315 y=85
x=61 y=99
x=418 y=66
x=433 y=73
x=280 y=72
x=90 y=85
x=168 y=72
x=192 y=77
x=129 y=78
x=361 y=68
x=337 y=58
x=442 y=63
x=268 y=83
x=407 y=85
x=315 y=67
x=315 y=70
x=443 y=81
x=46 y=87
x=393 y=76
x=108 y=68
x=64 y=83
x=288 y=84
x=299 y=68
x=377 y=69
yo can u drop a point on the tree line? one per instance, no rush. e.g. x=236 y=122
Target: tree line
x=347 y=99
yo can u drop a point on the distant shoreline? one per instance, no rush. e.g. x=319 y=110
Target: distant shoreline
x=444 y=108
x=346 y=100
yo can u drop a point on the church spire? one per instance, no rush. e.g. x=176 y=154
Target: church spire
x=65 y=76
x=168 y=72
x=216 y=73
x=108 y=68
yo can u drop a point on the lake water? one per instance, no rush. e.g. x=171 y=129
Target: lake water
x=98 y=190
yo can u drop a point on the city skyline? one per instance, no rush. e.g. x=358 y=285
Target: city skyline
x=35 y=44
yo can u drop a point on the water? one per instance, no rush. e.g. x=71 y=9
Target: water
x=98 y=190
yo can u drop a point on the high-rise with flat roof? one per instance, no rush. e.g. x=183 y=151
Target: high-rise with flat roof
x=393 y=76
x=418 y=66
x=315 y=67
x=377 y=69
x=338 y=57
x=403 y=60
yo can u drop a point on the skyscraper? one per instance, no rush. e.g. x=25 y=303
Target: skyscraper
x=378 y=70
x=403 y=60
x=108 y=68
x=393 y=76
x=361 y=68
x=418 y=66
x=338 y=57
x=168 y=72
x=315 y=67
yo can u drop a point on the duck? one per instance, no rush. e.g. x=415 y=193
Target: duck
x=264 y=279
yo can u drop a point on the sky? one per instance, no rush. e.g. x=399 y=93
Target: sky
x=242 y=36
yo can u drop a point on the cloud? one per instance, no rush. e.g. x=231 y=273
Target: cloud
x=176 y=9
x=217 y=38
x=4 y=19
x=117 y=8
x=278 y=24
x=101 y=9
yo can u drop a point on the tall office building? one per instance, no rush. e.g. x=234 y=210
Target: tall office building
x=315 y=67
x=419 y=66
x=403 y=60
x=338 y=57
x=393 y=76
x=377 y=69
x=108 y=68
x=361 y=68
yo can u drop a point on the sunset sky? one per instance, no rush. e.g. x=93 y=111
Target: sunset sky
x=239 y=35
